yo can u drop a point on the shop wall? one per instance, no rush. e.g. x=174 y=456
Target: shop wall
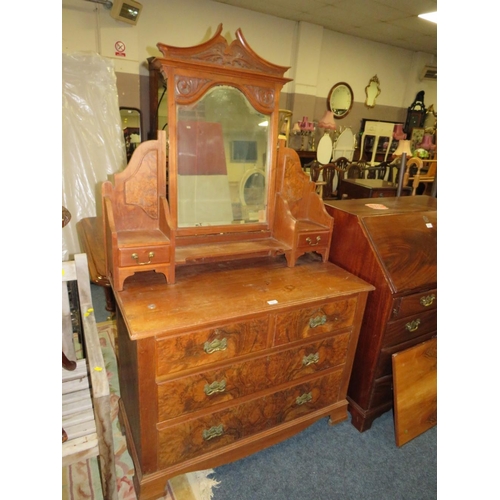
x=318 y=58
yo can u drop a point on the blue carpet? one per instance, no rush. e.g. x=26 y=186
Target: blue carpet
x=339 y=462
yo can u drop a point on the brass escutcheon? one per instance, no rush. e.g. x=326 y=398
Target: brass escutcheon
x=427 y=300
x=311 y=359
x=215 y=387
x=318 y=239
x=213 y=432
x=412 y=325
x=215 y=345
x=317 y=321
x=136 y=257
x=305 y=398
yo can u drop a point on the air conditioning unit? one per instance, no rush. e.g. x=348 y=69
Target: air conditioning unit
x=429 y=73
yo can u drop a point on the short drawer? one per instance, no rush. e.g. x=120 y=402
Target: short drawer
x=411 y=327
x=313 y=239
x=210 y=345
x=210 y=432
x=144 y=255
x=414 y=304
x=187 y=394
x=313 y=321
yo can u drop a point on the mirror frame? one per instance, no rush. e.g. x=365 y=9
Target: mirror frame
x=331 y=94
x=374 y=82
x=190 y=72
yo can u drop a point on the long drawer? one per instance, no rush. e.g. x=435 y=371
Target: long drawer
x=414 y=304
x=411 y=327
x=216 y=430
x=196 y=392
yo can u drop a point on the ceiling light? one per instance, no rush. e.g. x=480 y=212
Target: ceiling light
x=430 y=16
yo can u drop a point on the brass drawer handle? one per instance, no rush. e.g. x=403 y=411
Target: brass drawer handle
x=427 y=300
x=412 y=325
x=213 y=432
x=215 y=387
x=309 y=241
x=215 y=345
x=317 y=321
x=305 y=398
x=311 y=359
x=136 y=257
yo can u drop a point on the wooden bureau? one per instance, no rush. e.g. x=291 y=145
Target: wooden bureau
x=394 y=249
x=232 y=358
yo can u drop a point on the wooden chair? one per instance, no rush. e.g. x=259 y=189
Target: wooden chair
x=415 y=175
x=333 y=173
x=136 y=217
x=86 y=417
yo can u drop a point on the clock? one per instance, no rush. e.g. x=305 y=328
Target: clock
x=415 y=116
x=340 y=99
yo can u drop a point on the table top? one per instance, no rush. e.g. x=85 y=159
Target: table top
x=372 y=183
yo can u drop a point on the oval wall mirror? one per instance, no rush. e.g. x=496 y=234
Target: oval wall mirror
x=340 y=99
x=372 y=91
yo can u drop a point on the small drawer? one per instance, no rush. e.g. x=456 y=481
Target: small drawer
x=210 y=345
x=314 y=321
x=195 y=437
x=414 y=304
x=129 y=257
x=313 y=239
x=196 y=392
x=410 y=327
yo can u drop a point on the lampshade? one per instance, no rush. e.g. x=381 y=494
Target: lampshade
x=426 y=142
x=398 y=132
x=327 y=121
x=403 y=147
x=296 y=128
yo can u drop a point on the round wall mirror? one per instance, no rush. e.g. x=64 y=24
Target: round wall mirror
x=340 y=99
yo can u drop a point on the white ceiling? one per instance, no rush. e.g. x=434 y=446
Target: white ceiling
x=393 y=22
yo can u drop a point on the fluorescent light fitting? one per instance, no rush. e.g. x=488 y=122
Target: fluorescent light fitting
x=264 y=124
x=430 y=16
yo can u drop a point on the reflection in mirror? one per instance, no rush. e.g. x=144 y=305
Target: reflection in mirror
x=131 y=126
x=372 y=91
x=340 y=99
x=221 y=160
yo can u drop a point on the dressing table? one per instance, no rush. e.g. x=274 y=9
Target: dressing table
x=255 y=337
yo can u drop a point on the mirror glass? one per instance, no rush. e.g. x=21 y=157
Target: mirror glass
x=131 y=126
x=222 y=143
x=372 y=91
x=340 y=99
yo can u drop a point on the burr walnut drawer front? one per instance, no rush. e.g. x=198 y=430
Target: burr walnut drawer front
x=134 y=256
x=213 y=431
x=414 y=304
x=210 y=345
x=313 y=321
x=196 y=392
x=398 y=332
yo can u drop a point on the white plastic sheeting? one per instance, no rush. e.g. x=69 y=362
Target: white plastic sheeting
x=93 y=146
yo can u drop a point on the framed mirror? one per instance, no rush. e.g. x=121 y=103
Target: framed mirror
x=372 y=91
x=132 y=129
x=340 y=99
